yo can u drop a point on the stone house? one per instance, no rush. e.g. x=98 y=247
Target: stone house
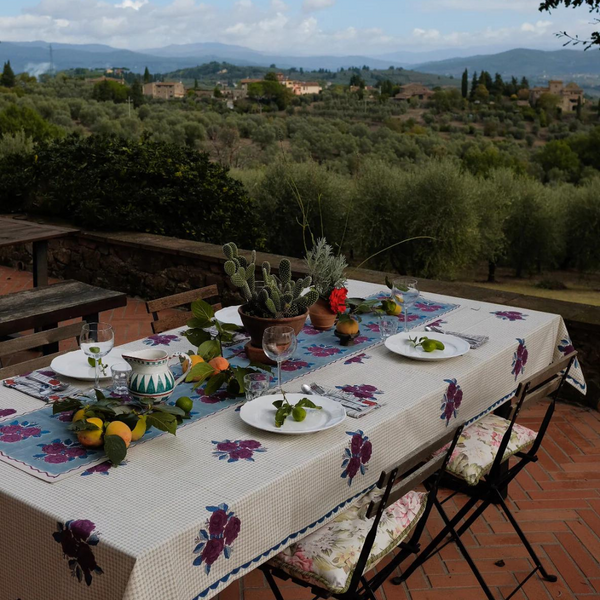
x=165 y=90
x=569 y=95
x=414 y=90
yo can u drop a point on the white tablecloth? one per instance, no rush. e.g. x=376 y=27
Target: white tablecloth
x=143 y=521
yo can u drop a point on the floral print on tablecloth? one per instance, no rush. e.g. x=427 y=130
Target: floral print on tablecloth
x=102 y=468
x=322 y=350
x=161 y=339
x=60 y=451
x=77 y=539
x=362 y=392
x=519 y=358
x=356 y=456
x=6 y=412
x=510 y=315
x=566 y=347
x=295 y=364
x=217 y=537
x=358 y=359
x=234 y=450
x=16 y=432
x=452 y=400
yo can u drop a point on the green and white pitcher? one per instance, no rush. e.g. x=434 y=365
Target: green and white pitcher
x=151 y=378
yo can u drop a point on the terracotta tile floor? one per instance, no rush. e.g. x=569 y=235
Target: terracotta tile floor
x=557 y=501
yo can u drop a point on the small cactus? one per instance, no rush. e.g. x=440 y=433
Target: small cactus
x=279 y=297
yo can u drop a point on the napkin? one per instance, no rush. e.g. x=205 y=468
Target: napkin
x=40 y=388
x=355 y=407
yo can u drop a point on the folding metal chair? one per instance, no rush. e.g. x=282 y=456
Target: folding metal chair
x=383 y=516
x=486 y=487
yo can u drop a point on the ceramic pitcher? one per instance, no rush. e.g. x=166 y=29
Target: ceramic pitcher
x=151 y=378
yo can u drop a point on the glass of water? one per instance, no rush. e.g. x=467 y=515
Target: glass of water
x=405 y=293
x=120 y=376
x=96 y=341
x=257 y=384
x=388 y=326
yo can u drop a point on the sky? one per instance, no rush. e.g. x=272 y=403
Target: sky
x=296 y=27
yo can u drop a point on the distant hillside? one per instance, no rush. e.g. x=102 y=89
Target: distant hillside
x=534 y=64
x=210 y=73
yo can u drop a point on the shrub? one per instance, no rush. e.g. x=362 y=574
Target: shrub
x=110 y=183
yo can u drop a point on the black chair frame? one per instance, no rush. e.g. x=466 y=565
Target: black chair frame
x=421 y=467
x=547 y=383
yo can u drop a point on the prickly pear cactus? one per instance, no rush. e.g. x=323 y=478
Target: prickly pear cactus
x=280 y=296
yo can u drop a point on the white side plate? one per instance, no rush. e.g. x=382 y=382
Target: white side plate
x=400 y=344
x=75 y=365
x=229 y=315
x=260 y=413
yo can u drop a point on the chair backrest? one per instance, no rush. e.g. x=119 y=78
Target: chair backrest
x=423 y=466
x=35 y=340
x=180 y=317
x=546 y=383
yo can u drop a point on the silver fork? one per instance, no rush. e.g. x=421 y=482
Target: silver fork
x=460 y=335
x=346 y=401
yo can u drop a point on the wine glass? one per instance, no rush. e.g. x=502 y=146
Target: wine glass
x=405 y=293
x=279 y=344
x=96 y=341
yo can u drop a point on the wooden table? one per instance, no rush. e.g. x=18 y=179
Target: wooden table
x=44 y=307
x=13 y=231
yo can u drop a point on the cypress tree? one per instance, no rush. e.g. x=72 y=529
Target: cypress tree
x=147 y=76
x=465 y=84
x=474 y=84
x=7 y=79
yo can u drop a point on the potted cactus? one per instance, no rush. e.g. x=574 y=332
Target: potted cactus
x=276 y=300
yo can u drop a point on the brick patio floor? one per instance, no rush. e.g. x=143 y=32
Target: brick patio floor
x=557 y=502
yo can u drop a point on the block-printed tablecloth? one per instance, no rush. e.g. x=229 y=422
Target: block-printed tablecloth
x=189 y=514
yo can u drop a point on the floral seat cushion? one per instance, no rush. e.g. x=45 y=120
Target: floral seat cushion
x=328 y=556
x=478 y=445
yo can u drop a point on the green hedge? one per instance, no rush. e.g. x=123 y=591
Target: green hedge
x=110 y=183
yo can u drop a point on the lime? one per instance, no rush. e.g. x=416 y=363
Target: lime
x=298 y=413
x=185 y=404
x=429 y=345
x=439 y=345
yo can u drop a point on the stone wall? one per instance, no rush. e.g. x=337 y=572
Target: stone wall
x=151 y=266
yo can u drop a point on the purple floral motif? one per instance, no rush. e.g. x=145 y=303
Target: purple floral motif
x=217 y=397
x=361 y=339
x=76 y=539
x=48 y=373
x=359 y=358
x=372 y=327
x=295 y=364
x=237 y=450
x=452 y=400
x=362 y=392
x=235 y=352
x=520 y=358
x=102 y=468
x=64 y=417
x=510 y=315
x=565 y=347
x=161 y=339
x=61 y=451
x=220 y=531
x=428 y=306
x=6 y=412
x=356 y=456
x=321 y=350
x=438 y=323
x=310 y=330
x=16 y=432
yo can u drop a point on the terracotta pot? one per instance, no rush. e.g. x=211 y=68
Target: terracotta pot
x=321 y=316
x=255 y=326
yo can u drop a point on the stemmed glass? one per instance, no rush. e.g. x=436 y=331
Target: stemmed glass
x=405 y=293
x=279 y=344
x=97 y=340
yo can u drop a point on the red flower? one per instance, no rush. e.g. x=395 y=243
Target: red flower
x=337 y=300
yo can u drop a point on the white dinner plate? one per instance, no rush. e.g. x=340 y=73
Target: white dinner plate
x=75 y=365
x=229 y=314
x=260 y=413
x=400 y=344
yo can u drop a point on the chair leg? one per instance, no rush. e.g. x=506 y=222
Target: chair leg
x=367 y=589
x=455 y=536
x=545 y=575
x=272 y=584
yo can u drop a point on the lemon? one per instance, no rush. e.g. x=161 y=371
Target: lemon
x=122 y=430
x=185 y=404
x=139 y=430
x=298 y=413
x=79 y=415
x=92 y=438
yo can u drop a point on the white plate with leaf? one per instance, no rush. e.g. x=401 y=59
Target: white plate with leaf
x=427 y=346
x=229 y=314
x=261 y=413
x=76 y=366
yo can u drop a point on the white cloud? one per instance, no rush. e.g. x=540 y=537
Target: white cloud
x=312 y=5
x=135 y=4
x=481 y=5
